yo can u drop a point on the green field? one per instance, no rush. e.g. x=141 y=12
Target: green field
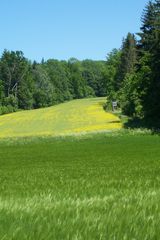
x=92 y=187
x=74 y=117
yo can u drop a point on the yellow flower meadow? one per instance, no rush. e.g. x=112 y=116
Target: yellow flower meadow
x=77 y=116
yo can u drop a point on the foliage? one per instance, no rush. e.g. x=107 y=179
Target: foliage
x=128 y=59
x=44 y=93
x=36 y=85
x=137 y=73
x=112 y=66
x=15 y=77
x=94 y=74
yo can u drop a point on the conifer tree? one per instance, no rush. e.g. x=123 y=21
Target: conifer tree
x=150 y=39
x=128 y=58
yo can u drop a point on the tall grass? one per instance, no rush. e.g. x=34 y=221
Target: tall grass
x=99 y=187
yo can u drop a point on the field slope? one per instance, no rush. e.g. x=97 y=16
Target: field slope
x=85 y=115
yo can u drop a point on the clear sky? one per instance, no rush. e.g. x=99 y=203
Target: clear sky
x=67 y=28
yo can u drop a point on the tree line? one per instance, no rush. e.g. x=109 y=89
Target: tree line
x=135 y=81
x=28 y=85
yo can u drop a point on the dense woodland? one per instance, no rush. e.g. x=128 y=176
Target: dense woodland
x=27 y=85
x=136 y=70
x=130 y=75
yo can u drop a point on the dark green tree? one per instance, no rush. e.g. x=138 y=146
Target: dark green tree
x=44 y=91
x=150 y=45
x=111 y=73
x=15 y=73
x=128 y=59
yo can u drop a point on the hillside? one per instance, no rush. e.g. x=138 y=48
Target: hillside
x=77 y=116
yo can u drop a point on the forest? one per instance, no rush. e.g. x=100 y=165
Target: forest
x=27 y=85
x=135 y=83
x=130 y=75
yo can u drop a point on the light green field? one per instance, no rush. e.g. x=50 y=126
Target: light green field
x=92 y=187
x=85 y=115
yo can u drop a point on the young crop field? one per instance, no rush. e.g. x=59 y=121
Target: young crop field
x=94 y=186
x=85 y=115
x=101 y=186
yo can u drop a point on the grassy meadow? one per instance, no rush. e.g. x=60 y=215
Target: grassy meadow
x=89 y=186
x=100 y=186
x=84 y=115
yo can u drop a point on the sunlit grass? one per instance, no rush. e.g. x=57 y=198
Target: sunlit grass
x=86 y=115
x=96 y=187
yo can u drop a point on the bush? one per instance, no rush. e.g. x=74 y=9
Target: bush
x=11 y=101
x=7 y=109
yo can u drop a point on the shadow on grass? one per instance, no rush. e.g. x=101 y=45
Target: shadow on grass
x=116 y=121
x=153 y=126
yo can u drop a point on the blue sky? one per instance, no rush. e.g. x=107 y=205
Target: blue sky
x=67 y=28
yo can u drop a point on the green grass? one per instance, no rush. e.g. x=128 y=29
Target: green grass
x=92 y=187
